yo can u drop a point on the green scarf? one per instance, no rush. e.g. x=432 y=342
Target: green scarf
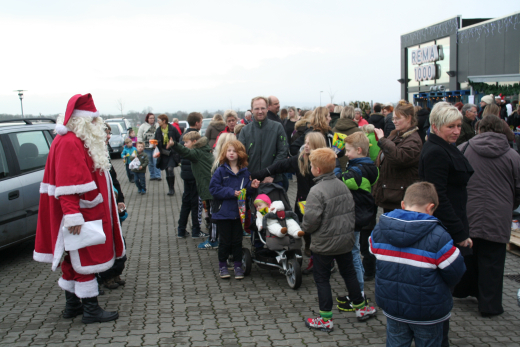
x=165 y=135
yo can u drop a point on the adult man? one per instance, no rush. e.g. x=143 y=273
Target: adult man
x=467 y=131
x=77 y=189
x=247 y=118
x=334 y=116
x=273 y=107
x=265 y=140
x=190 y=196
x=376 y=118
x=388 y=112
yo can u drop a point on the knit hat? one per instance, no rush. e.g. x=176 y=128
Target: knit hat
x=263 y=198
x=488 y=99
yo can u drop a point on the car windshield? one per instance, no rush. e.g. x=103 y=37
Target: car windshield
x=115 y=129
x=205 y=123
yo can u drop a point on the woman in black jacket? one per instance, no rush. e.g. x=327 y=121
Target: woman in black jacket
x=166 y=135
x=442 y=164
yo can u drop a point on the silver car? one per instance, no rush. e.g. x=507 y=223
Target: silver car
x=117 y=140
x=24 y=147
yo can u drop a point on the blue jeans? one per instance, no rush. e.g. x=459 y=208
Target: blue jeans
x=399 y=334
x=140 y=180
x=356 y=258
x=129 y=172
x=154 y=172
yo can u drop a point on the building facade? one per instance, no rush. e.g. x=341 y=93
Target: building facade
x=462 y=60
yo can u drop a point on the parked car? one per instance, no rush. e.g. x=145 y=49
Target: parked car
x=24 y=147
x=125 y=123
x=205 y=123
x=117 y=140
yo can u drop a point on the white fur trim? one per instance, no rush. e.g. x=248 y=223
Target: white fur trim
x=46 y=188
x=91 y=269
x=66 y=285
x=61 y=129
x=78 y=189
x=82 y=113
x=59 y=248
x=43 y=257
x=70 y=220
x=91 y=203
x=87 y=289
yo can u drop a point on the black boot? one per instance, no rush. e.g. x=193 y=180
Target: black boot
x=92 y=313
x=171 y=184
x=73 y=307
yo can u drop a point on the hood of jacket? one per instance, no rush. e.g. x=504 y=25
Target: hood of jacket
x=301 y=123
x=218 y=124
x=404 y=228
x=490 y=144
x=405 y=134
x=377 y=116
x=345 y=124
x=203 y=141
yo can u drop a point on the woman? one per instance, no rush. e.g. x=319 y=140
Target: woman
x=493 y=109
x=358 y=117
x=300 y=127
x=215 y=127
x=514 y=119
x=319 y=122
x=398 y=159
x=290 y=122
x=299 y=165
x=495 y=189
x=346 y=125
x=176 y=125
x=448 y=169
x=145 y=133
x=166 y=135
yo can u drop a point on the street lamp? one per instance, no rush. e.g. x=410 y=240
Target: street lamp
x=20 y=95
x=321 y=91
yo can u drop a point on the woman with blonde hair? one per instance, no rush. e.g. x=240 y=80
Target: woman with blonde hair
x=299 y=165
x=319 y=122
x=290 y=122
x=215 y=127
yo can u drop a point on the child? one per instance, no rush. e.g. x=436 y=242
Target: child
x=197 y=151
x=140 y=173
x=128 y=151
x=417 y=264
x=131 y=136
x=361 y=174
x=227 y=181
x=329 y=218
x=265 y=207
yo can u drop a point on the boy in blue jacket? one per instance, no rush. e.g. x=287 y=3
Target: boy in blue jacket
x=129 y=151
x=417 y=264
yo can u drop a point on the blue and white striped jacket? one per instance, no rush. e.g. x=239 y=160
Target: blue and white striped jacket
x=417 y=264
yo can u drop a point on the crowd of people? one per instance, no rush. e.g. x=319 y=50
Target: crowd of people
x=433 y=173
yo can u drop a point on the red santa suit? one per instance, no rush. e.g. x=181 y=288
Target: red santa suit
x=73 y=193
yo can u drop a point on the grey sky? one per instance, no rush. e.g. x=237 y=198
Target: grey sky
x=198 y=55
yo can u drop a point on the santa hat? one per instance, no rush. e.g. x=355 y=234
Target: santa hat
x=78 y=106
x=263 y=198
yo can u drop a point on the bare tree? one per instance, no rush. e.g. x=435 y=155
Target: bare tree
x=331 y=94
x=120 y=106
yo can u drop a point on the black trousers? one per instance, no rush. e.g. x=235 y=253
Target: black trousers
x=484 y=276
x=369 y=260
x=190 y=204
x=230 y=239
x=321 y=271
x=115 y=270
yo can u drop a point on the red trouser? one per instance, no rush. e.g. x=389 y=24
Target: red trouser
x=84 y=286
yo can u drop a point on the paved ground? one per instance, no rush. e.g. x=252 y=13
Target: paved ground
x=173 y=297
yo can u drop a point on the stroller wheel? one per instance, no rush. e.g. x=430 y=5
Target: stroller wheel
x=294 y=274
x=247 y=262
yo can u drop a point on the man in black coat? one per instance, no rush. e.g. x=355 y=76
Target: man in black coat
x=273 y=108
x=376 y=118
x=190 y=197
x=389 y=121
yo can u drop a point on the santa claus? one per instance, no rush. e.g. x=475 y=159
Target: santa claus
x=76 y=189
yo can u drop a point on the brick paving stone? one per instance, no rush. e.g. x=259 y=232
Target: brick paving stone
x=174 y=297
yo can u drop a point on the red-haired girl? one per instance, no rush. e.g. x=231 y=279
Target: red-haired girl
x=227 y=181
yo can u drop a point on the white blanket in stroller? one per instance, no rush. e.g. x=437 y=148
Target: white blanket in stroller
x=273 y=225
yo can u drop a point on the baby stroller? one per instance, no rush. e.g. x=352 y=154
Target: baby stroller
x=283 y=253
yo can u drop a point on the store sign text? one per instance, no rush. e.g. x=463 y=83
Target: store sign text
x=425 y=72
x=426 y=54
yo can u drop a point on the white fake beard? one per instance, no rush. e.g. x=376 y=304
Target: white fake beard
x=92 y=133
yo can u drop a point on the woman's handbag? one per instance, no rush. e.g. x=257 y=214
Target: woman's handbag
x=166 y=152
